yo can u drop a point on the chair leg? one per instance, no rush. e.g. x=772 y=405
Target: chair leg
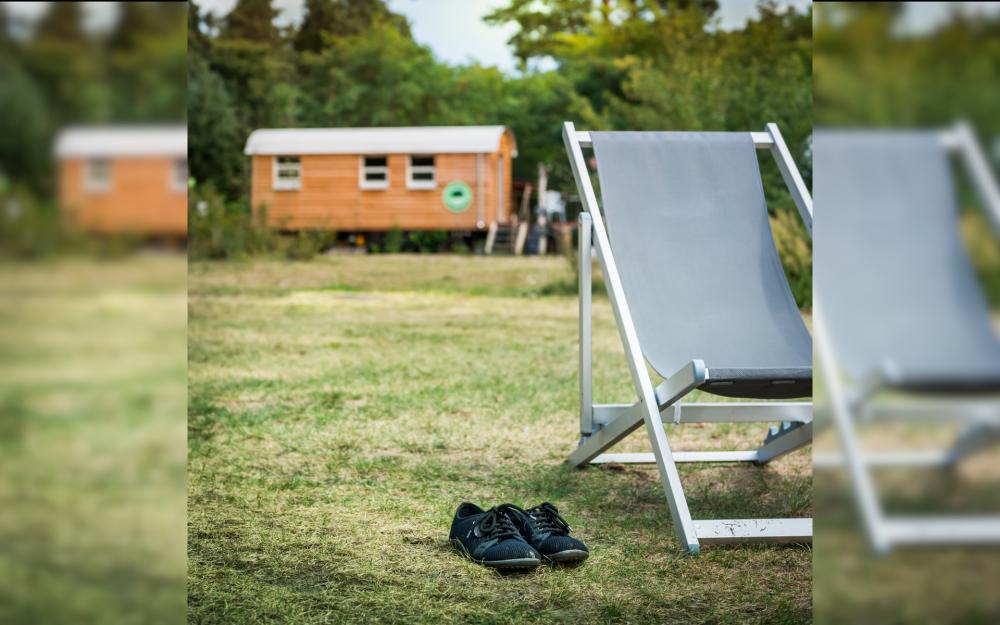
x=586 y=369
x=672 y=487
x=784 y=439
x=866 y=496
x=592 y=445
x=973 y=440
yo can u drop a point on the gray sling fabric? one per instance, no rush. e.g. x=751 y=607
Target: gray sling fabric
x=891 y=272
x=688 y=226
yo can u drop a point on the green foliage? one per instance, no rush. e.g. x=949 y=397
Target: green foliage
x=355 y=63
x=28 y=229
x=794 y=247
x=251 y=20
x=981 y=241
x=219 y=230
x=230 y=230
x=869 y=76
x=339 y=18
x=25 y=133
x=379 y=77
x=215 y=137
x=393 y=243
x=428 y=241
x=147 y=65
x=62 y=75
x=306 y=244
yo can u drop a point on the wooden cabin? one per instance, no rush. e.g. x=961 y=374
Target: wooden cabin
x=455 y=178
x=124 y=180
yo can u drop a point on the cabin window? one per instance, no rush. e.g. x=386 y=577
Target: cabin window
x=420 y=173
x=179 y=175
x=97 y=175
x=374 y=172
x=287 y=173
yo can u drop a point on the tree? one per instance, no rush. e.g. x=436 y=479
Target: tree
x=25 y=134
x=379 y=77
x=342 y=18
x=215 y=140
x=5 y=42
x=251 y=20
x=63 y=22
x=198 y=43
x=146 y=62
x=68 y=66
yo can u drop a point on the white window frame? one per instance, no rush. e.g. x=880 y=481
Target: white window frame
x=286 y=184
x=179 y=182
x=95 y=184
x=363 y=170
x=412 y=169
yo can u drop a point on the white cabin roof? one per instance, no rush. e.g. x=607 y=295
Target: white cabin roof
x=404 y=140
x=114 y=141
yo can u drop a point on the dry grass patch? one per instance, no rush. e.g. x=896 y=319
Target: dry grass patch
x=340 y=411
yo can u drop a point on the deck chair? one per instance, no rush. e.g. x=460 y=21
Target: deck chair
x=902 y=328
x=699 y=294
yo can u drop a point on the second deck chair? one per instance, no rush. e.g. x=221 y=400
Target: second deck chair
x=699 y=293
x=902 y=327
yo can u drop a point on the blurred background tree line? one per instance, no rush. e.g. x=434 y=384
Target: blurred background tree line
x=615 y=64
x=57 y=72
x=633 y=64
x=872 y=70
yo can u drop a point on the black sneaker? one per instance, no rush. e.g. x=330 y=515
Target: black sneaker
x=548 y=532
x=490 y=538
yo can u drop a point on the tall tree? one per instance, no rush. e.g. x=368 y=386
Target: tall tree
x=68 y=66
x=5 y=42
x=62 y=21
x=251 y=20
x=342 y=18
x=146 y=62
x=215 y=139
x=197 y=40
x=25 y=133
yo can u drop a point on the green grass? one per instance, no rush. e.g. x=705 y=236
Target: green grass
x=931 y=585
x=92 y=447
x=340 y=410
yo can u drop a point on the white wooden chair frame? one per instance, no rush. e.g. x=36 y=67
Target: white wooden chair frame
x=603 y=425
x=849 y=408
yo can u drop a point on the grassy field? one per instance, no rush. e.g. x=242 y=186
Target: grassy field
x=339 y=411
x=92 y=447
x=933 y=585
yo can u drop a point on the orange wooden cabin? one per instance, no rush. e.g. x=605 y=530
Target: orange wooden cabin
x=124 y=180
x=455 y=178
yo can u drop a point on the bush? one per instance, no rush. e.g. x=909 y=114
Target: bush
x=795 y=249
x=981 y=241
x=28 y=229
x=429 y=241
x=219 y=230
x=32 y=229
x=393 y=243
x=460 y=247
x=306 y=244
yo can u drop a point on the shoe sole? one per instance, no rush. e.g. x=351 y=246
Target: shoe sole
x=519 y=564
x=570 y=555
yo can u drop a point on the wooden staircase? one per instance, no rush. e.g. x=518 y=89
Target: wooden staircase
x=506 y=239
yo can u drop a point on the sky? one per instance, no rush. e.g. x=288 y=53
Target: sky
x=454 y=29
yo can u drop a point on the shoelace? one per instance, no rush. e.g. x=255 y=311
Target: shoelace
x=497 y=524
x=547 y=519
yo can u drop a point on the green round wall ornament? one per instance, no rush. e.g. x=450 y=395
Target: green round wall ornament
x=457 y=196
